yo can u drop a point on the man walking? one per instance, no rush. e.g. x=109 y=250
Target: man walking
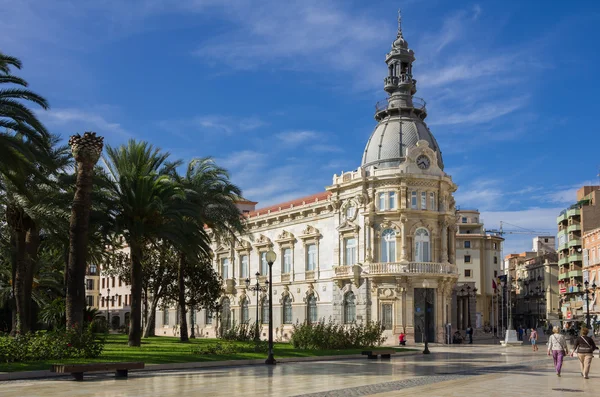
x=470 y=333
x=533 y=339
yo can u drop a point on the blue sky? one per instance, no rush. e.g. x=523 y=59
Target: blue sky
x=282 y=93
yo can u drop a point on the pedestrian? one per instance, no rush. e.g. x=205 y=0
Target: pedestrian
x=520 y=331
x=533 y=339
x=470 y=333
x=584 y=347
x=402 y=339
x=557 y=347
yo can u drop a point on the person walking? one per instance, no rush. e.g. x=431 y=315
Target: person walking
x=470 y=333
x=533 y=339
x=557 y=347
x=584 y=347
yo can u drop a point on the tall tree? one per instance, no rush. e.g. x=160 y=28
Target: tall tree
x=151 y=206
x=214 y=196
x=86 y=151
x=16 y=117
x=26 y=203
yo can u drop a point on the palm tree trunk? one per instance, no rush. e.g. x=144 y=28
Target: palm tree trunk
x=21 y=326
x=135 y=328
x=32 y=244
x=181 y=284
x=78 y=237
x=86 y=151
x=149 y=330
x=192 y=322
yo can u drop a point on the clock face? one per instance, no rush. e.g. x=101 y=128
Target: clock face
x=423 y=162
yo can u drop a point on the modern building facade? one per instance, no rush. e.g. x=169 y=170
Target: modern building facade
x=378 y=244
x=573 y=223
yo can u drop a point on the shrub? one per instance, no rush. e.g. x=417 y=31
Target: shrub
x=56 y=345
x=239 y=333
x=215 y=349
x=330 y=335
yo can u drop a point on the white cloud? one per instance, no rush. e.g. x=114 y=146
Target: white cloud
x=483 y=114
x=297 y=137
x=71 y=120
x=229 y=125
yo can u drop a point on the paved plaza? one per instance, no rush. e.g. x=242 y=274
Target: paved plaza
x=448 y=371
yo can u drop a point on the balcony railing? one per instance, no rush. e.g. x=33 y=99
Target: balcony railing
x=562 y=217
x=410 y=267
x=573 y=212
x=574 y=228
x=563 y=261
x=418 y=103
x=575 y=258
x=576 y=242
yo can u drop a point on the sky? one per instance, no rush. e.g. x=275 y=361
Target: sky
x=282 y=93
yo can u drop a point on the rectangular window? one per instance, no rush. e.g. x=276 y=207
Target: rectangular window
x=350 y=250
x=102 y=302
x=311 y=257
x=113 y=281
x=432 y=204
x=386 y=316
x=120 y=282
x=495 y=260
x=125 y=300
x=467 y=244
x=413 y=200
x=112 y=301
x=93 y=270
x=287 y=260
x=89 y=300
x=494 y=246
x=103 y=282
x=264 y=265
x=423 y=200
x=467 y=258
x=225 y=268
x=392 y=201
x=467 y=272
x=464 y=219
x=208 y=317
x=381 y=201
x=89 y=284
x=244 y=273
x=119 y=300
x=165 y=316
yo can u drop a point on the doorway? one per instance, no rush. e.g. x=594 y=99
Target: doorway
x=424 y=315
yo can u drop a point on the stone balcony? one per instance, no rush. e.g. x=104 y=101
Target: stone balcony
x=398 y=268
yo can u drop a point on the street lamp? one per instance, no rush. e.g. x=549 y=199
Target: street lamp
x=256 y=288
x=586 y=292
x=271 y=257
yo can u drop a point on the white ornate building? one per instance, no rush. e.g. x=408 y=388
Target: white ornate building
x=379 y=244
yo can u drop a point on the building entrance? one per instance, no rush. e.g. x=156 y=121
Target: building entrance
x=424 y=315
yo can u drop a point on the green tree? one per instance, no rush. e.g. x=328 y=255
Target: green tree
x=151 y=206
x=210 y=191
x=86 y=151
x=17 y=118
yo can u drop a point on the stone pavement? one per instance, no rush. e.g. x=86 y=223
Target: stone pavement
x=448 y=371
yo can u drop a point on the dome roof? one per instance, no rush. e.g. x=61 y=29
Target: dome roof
x=387 y=145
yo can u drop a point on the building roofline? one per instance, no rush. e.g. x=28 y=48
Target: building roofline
x=313 y=198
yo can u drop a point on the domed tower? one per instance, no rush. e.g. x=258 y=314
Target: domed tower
x=396 y=216
x=401 y=116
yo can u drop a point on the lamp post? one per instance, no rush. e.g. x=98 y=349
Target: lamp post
x=271 y=257
x=256 y=288
x=108 y=308
x=586 y=292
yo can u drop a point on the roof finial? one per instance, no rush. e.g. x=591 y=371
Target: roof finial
x=399 y=23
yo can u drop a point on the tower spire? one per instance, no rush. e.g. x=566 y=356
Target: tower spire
x=399 y=24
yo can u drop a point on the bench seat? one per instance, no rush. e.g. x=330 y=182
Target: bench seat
x=372 y=354
x=77 y=370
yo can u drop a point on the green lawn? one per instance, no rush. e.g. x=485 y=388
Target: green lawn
x=162 y=350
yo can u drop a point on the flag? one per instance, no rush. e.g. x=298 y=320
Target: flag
x=494 y=285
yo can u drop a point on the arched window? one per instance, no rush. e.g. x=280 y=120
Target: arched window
x=311 y=309
x=388 y=246
x=264 y=311
x=245 y=314
x=349 y=308
x=225 y=314
x=422 y=246
x=287 y=310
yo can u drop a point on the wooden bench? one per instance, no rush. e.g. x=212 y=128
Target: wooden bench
x=372 y=354
x=77 y=370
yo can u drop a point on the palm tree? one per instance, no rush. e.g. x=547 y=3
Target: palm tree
x=86 y=151
x=213 y=195
x=25 y=200
x=151 y=206
x=16 y=117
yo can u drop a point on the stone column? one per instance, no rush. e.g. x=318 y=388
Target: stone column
x=452 y=239
x=403 y=198
x=439 y=312
x=403 y=253
x=444 y=245
x=409 y=308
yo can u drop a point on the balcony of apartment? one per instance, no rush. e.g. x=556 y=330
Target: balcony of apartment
x=563 y=261
x=575 y=227
x=576 y=257
x=575 y=242
x=562 y=217
x=575 y=273
x=397 y=268
x=349 y=273
x=563 y=275
x=571 y=212
x=563 y=247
